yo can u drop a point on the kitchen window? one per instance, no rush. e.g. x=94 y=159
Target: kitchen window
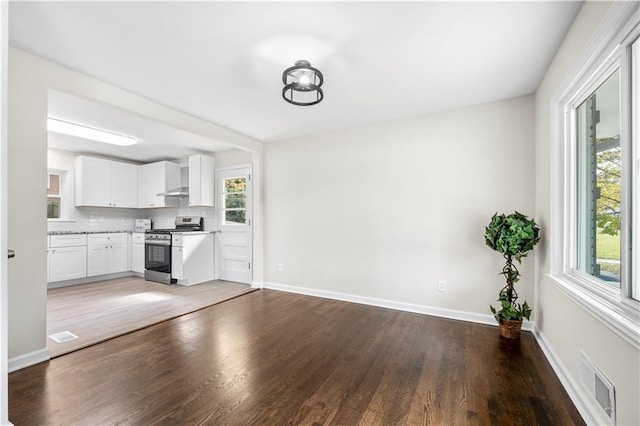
x=234 y=196
x=595 y=223
x=60 y=195
x=54 y=193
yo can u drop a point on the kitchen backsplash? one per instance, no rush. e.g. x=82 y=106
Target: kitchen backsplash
x=91 y=219
x=98 y=219
x=165 y=217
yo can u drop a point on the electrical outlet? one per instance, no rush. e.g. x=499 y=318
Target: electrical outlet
x=442 y=286
x=279 y=267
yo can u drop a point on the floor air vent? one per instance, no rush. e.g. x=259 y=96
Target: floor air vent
x=599 y=387
x=63 y=336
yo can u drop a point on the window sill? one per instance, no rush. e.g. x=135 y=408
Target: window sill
x=61 y=220
x=618 y=316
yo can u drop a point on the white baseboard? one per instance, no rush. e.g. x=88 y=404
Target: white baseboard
x=391 y=304
x=26 y=360
x=257 y=284
x=586 y=409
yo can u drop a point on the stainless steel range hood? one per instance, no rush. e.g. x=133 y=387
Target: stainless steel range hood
x=183 y=191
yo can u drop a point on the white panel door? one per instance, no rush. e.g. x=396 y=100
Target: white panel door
x=235 y=250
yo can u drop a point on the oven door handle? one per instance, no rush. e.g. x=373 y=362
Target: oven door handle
x=159 y=243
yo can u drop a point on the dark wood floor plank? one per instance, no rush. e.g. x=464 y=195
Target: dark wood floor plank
x=275 y=358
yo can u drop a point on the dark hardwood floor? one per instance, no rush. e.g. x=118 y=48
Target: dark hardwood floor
x=276 y=358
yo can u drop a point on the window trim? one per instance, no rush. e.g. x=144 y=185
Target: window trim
x=603 y=54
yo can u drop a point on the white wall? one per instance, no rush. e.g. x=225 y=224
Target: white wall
x=27 y=210
x=567 y=328
x=387 y=210
x=233 y=157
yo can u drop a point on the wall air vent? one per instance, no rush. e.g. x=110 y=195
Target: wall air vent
x=599 y=387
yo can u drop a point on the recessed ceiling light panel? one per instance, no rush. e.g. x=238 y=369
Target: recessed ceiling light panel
x=78 y=130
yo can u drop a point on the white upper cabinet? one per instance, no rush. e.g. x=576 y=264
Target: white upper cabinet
x=156 y=178
x=201 y=180
x=105 y=183
x=124 y=184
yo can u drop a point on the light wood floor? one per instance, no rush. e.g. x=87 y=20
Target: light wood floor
x=99 y=311
x=273 y=358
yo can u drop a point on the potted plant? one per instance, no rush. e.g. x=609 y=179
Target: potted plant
x=514 y=236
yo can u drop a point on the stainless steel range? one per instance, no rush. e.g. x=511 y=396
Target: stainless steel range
x=157 y=248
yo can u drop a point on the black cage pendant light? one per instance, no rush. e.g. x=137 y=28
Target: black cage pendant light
x=302 y=84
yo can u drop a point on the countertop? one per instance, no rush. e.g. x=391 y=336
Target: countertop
x=193 y=232
x=85 y=232
x=118 y=232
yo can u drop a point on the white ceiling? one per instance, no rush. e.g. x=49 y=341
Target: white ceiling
x=223 y=61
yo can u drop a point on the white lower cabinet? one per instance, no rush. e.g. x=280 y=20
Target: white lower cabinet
x=137 y=252
x=66 y=257
x=177 y=263
x=107 y=254
x=67 y=263
x=192 y=260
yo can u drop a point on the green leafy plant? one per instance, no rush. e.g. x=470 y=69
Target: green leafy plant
x=514 y=236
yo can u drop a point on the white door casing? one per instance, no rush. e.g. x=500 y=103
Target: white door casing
x=234 y=242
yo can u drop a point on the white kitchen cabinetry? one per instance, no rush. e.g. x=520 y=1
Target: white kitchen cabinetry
x=156 y=178
x=201 y=180
x=192 y=260
x=67 y=257
x=105 y=183
x=137 y=252
x=107 y=254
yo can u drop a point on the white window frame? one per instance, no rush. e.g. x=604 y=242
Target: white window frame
x=606 y=52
